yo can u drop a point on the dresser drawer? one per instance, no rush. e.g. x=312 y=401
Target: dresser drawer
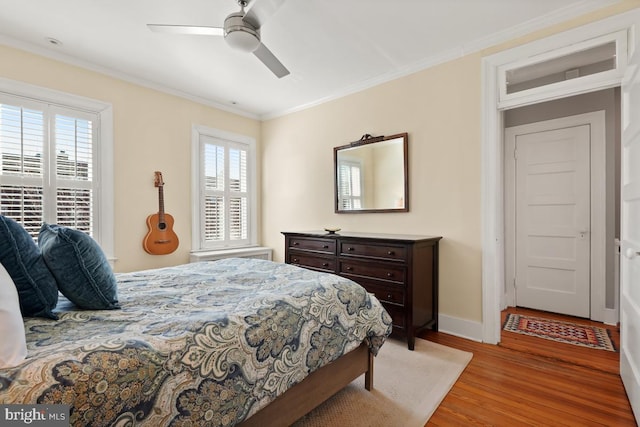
x=312 y=261
x=395 y=253
x=385 y=293
x=317 y=245
x=374 y=270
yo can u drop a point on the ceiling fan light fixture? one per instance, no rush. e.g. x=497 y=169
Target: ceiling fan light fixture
x=242 y=40
x=239 y=34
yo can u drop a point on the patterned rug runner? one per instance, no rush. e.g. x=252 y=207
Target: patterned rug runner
x=570 y=333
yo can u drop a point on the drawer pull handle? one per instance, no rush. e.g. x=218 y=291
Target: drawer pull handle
x=389 y=296
x=295 y=243
x=389 y=274
x=391 y=253
x=325 y=264
x=350 y=249
x=325 y=247
x=349 y=268
x=295 y=260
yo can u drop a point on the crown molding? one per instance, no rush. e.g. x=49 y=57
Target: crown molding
x=558 y=16
x=376 y=81
x=70 y=60
x=561 y=15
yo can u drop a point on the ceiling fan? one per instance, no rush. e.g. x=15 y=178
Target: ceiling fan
x=241 y=31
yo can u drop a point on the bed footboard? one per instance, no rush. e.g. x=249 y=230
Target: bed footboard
x=315 y=389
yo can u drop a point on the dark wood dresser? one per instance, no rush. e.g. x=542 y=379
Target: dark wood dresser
x=400 y=270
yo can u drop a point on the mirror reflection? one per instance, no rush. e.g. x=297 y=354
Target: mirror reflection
x=371 y=175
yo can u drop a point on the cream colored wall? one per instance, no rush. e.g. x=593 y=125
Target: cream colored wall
x=440 y=108
x=152 y=131
x=444 y=167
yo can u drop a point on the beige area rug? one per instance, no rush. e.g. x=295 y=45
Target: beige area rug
x=408 y=386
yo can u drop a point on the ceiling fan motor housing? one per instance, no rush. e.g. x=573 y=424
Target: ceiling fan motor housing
x=240 y=34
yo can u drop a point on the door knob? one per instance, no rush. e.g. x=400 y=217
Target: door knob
x=630 y=253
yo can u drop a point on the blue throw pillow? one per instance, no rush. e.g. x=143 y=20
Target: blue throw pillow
x=20 y=256
x=79 y=266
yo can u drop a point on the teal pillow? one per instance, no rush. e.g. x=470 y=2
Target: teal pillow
x=20 y=256
x=80 y=267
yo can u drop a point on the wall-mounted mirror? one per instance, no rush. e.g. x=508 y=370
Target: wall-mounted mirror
x=371 y=175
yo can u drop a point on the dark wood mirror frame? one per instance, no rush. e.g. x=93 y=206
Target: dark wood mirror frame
x=359 y=158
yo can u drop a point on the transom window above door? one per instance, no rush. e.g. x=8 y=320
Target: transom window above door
x=573 y=69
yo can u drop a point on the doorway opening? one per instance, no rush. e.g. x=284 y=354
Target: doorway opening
x=494 y=105
x=560 y=244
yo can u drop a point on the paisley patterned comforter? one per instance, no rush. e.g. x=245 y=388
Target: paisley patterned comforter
x=200 y=344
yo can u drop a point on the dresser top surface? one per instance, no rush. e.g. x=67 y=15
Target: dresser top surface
x=353 y=234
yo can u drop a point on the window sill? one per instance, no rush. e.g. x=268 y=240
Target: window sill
x=260 y=252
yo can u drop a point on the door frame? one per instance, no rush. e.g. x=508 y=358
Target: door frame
x=492 y=154
x=598 y=211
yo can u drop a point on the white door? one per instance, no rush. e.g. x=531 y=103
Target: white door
x=552 y=220
x=630 y=232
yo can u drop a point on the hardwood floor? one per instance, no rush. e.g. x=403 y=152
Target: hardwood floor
x=528 y=381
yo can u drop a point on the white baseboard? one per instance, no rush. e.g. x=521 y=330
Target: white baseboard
x=610 y=316
x=463 y=328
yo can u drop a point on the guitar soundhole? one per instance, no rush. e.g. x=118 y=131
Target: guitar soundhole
x=162 y=226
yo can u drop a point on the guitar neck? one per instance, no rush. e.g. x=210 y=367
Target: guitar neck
x=161 y=204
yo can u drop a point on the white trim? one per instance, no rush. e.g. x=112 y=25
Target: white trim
x=105 y=173
x=565 y=88
x=57 y=56
x=106 y=185
x=558 y=16
x=598 y=214
x=196 y=132
x=491 y=144
x=260 y=252
x=610 y=316
x=463 y=328
x=493 y=295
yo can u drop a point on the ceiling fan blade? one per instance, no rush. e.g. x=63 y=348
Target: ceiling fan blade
x=270 y=61
x=186 y=29
x=260 y=11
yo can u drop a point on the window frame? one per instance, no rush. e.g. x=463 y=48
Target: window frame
x=103 y=174
x=227 y=139
x=560 y=89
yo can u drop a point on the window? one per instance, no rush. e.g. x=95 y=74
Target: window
x=224 y=190
x=555 y=72
x=350 y=190
x=55 y=161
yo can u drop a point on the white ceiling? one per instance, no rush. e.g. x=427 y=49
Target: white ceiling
x=331 y=47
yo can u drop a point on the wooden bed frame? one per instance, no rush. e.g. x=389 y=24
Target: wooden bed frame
x=315 y=389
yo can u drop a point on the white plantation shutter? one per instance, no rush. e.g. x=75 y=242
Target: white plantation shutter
x=350 y=185
x=22 y=149
x=238 y=215
x=48 y=162
x=214 y=179
x=225 y=193
x=74 y=147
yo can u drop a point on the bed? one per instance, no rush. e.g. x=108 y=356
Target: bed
x=230 y=342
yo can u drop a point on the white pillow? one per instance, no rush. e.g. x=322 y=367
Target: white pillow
x=13 y=343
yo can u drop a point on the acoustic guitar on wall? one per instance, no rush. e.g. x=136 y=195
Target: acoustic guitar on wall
x=161 y=239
